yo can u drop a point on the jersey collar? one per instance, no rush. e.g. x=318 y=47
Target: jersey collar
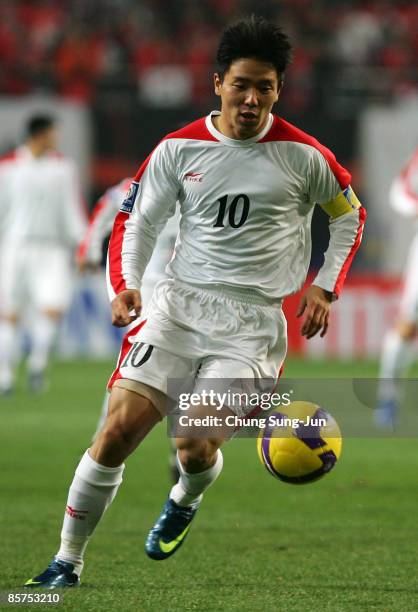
x=23 y=152
x=232 y=142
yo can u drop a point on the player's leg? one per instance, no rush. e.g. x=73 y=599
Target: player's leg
x=199 y=462
x=96 y=481
x=174 y=471
x=43 y=334
x=172 y=461
x=103 y=415
x=244 y=355
x=398 y=346
x=397 y=354
x=199 y=458
x=50 y=286
x=9 y=333
x=12 y=296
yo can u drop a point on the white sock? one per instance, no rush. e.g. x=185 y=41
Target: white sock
x=8 y=353
x=190 y=487
x=43 y=336
x=397 y=354
x=92 y=491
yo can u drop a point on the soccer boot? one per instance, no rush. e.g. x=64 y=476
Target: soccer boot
x=385 y=414
x=58 y=574
x=170 y=530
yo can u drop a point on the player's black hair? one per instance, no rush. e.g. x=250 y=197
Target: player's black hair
x=254 y=38
x=38 y=124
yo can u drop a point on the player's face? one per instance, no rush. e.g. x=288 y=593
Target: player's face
x=248 y=91
x=50 y=137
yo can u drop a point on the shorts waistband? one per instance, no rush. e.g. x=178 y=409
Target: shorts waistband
x=239 y=294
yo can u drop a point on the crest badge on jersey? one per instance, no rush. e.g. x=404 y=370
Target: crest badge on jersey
x=129 y=201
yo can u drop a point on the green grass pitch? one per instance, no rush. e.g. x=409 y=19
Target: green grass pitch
x=347 y=542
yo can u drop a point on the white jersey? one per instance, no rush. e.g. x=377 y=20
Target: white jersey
x=102 y=219
x=100 y=226
x=246 y=208
x=404 y=199
x=101 y=222
x=40 y=200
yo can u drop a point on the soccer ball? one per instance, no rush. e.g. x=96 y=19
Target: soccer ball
x=300 y=443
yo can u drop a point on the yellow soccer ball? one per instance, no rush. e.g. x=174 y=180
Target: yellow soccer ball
x=300 y=443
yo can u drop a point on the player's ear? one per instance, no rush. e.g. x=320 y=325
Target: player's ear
x=217 y=82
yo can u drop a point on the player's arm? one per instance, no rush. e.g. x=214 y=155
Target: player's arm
x=403 y=193
x=101 y=220
x=346 y=221
x=150 y=201
x=74 y=209
x=6 y=168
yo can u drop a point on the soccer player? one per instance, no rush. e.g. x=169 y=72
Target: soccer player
x=89 y=253
x=43 y=223
x=398 y=344
x=247 y=182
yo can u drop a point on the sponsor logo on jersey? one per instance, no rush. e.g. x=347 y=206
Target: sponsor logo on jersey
x=194 y=177
x=129 y=201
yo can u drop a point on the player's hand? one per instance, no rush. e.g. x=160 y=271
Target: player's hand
x=123 y=304
x=315 y=305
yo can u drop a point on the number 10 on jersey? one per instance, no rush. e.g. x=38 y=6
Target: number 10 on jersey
x=235 y=217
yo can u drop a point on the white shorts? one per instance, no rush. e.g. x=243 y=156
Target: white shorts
x=193 y=334
x=409 y=299
x=35 y=275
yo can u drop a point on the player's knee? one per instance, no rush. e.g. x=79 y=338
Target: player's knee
x=197 y=455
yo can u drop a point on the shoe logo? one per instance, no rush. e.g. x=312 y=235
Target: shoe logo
x=31 y=581
x=167 y=547
x=77 y=514
x=194 y=177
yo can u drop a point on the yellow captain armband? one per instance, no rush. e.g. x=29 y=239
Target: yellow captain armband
x=345 y=202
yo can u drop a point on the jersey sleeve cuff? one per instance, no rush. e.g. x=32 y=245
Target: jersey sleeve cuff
x=327 y=286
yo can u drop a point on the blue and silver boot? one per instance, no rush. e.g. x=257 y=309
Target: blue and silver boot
x=58 y=574
x=170 y=531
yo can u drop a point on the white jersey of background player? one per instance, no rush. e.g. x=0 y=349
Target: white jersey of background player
x=398 y=345
x=101 y=221
x=43 y=223
x=247 y=182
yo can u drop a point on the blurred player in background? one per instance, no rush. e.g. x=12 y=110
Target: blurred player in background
x=42 y=225
x=247 y=183
x=90 y=251
x=398 y=345
x=89 y=258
